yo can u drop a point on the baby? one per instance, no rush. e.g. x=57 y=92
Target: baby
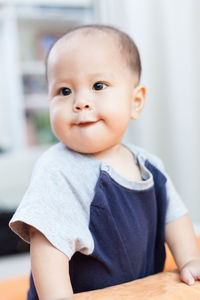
x=98 y=211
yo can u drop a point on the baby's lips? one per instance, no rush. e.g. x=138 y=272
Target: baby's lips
x=86 y=123
x=83 y=121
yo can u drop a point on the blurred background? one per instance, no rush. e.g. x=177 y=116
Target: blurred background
x=167 y=33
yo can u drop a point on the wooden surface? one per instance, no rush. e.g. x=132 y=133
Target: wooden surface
x=162 y=286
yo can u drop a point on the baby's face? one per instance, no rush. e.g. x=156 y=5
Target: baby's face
x=90 y=93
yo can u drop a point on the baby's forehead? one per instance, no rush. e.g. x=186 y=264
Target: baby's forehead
x=107 y=42
x=91 y=38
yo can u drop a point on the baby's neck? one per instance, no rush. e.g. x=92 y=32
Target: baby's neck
x=122 y=160
x=110 y=154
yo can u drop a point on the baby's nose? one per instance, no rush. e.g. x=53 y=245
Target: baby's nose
x=82 y=106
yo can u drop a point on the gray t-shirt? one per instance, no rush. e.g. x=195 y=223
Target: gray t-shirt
x=62 y=187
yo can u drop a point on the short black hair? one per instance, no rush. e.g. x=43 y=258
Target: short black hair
x=126 y=44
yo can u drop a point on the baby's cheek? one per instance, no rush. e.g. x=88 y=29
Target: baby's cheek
x=56 y=113
x=57 y=120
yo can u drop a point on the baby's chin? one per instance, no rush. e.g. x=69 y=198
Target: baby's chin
x=86 y=149
x=91 y=148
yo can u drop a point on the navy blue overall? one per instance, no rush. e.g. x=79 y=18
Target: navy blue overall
x=128 y=229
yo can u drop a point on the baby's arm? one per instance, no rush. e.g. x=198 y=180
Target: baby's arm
x=50 y=269
x=181 y=240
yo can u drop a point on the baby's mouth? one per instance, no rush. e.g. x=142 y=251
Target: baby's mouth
x=86 y=123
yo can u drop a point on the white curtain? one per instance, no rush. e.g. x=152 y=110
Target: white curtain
x=167 y=33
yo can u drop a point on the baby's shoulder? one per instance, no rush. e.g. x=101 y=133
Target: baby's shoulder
x=59 y=159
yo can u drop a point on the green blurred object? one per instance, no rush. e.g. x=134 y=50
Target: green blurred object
x=42 y=129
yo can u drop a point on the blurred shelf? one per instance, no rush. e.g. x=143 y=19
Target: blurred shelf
x=58 y=14
x=47 y=2
x=32 y=67
x=36 y=102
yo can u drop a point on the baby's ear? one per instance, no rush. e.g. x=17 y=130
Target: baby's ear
x=138 y=100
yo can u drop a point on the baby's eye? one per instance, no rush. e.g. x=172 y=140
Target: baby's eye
x=99 y=86
x=65 y=91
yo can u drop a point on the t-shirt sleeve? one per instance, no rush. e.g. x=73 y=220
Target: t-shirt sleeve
x=175 y=205
x=52 y=205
